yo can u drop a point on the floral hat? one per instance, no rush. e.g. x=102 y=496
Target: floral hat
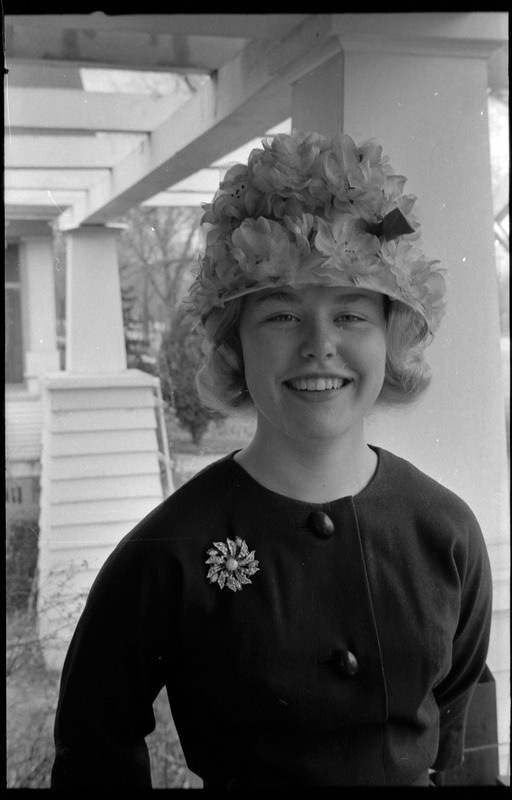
x=306 y=210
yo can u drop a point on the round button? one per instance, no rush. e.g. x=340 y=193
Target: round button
x=347 y=663
x=231 y=564
x=321 y=524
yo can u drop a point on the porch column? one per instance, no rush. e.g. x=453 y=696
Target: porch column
x=422 y=93
x=94 y=319
x=101 y=466
x=38 y=308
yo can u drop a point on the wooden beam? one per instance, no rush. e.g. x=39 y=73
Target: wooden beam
x=250 y=94
x=116 y=48
x=67 y=152
x=204 y=180
x=26 y=229
x=52 y=178
x=178 y=199
x=81 y=111
x=41 y=75
x=245 y=26
x=39 y=197
x=29 y=212
x=451 y=32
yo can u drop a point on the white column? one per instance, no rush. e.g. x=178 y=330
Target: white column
x=427 y=106
x=94 y=320
x=38 y=309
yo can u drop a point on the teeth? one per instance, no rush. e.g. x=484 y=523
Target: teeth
x=316 y=384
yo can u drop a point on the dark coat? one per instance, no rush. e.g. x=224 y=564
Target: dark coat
x=348 y=659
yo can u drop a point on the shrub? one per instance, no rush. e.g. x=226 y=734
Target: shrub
x=178 y=361
x=21 y=551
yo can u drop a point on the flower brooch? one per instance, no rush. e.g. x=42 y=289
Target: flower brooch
x=232 y=563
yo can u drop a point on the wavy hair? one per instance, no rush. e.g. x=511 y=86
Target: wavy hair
x=221 y=383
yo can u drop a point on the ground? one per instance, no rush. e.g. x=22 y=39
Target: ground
x=220 y=439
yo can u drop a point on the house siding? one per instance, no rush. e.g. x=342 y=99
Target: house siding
x=100 y=476
x=23 y=423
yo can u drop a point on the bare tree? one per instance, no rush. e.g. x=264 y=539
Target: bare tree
x=157 y=253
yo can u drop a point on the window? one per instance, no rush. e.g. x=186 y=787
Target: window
x=14 y=495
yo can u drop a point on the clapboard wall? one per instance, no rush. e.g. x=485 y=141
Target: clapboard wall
x=100 y=476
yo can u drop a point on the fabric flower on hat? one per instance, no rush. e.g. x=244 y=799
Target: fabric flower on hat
x=373 y=163
x=285 y=163
x=428 y=287
x=230 y=202
x=293 y=206
x=340 y=164
x=301 y=228
x=263 y=249
x=283 y=170
x=236 y=198
x=355 y=176
x=218 y=264
x=361 y=167
x=346 y=245
x=419 y=283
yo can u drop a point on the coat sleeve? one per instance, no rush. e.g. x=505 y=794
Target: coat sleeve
x=470 y=645
x=113 y=671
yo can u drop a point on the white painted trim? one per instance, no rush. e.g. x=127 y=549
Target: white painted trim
x=80 y=111
x=128 y=378
x=68 y=152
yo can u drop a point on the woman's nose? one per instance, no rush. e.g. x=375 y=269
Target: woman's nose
x=320 y=341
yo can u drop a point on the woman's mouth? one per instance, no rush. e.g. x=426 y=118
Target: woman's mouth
x=316 y=384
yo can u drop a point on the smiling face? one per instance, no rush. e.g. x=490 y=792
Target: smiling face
x=314 y=360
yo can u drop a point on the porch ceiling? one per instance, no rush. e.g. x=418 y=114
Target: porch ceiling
x=87 y=137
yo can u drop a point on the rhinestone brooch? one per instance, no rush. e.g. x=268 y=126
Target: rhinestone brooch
x=232 y=564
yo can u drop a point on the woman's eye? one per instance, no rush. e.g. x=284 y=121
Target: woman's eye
x=349 y=318
x=282 y=318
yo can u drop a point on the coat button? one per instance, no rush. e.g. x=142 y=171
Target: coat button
x=322 y=525
x=347 y=663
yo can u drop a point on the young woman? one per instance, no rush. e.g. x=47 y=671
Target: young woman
x=317 y=607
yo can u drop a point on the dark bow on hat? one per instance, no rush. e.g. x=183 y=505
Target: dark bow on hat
x=391 y=226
